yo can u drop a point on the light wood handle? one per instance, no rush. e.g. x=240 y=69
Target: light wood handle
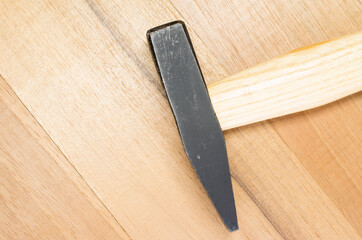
x=302 y=79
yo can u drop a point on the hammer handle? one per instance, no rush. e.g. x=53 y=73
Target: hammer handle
x=302 y=79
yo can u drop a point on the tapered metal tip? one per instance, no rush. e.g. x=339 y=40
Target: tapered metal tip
x=232 y=226
x=196 y=120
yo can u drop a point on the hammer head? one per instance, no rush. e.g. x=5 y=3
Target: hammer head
x=197 y=123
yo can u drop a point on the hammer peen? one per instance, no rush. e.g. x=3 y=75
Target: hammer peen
x=302 y=79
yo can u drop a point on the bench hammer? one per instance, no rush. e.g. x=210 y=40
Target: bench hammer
x=302 y=79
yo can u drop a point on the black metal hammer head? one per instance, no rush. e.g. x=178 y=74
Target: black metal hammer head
x=198 y=126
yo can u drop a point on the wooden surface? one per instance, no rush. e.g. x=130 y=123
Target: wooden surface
x=41 y=194
x=95 y=150
x=303 y=79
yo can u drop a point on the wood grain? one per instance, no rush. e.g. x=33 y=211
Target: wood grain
x=84 y=70
x=305 y=78
x=41 y=194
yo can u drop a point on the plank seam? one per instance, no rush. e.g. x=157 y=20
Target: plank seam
x=61 y=152
x=243 y=186
x=116 y=35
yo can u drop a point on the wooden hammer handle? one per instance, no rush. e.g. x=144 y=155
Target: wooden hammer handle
x=302 y=79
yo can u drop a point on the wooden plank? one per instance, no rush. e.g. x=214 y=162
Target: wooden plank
x=41 y=194
x=328 y=144
x=84 y=70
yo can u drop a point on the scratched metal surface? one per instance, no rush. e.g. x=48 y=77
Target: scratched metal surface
x=196 y=120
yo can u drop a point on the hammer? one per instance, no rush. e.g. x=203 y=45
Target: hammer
x=302 y=79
